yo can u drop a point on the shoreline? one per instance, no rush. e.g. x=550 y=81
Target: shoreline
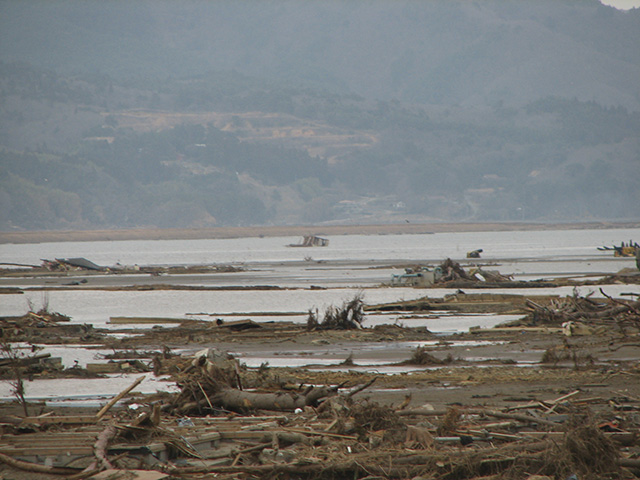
x=45 y=236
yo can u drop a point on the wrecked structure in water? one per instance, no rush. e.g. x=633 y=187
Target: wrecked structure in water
x=311 y=241
x=71 y=263
x=422 y=277
x=624 y=249
x=451 y=274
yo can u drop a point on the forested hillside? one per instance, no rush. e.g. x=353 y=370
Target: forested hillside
x=280 y=112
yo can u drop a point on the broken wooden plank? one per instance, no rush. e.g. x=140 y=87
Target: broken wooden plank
x=118 y=367
x=117 y=474
x=32 y=467
x=144 y=320
x=106 y=408
x=243 y=434
x=63 y=420
x=47 y=450
x=23 y=362
x=521 y=418
x=237 y=325
x=516 y=329
x=321 y=434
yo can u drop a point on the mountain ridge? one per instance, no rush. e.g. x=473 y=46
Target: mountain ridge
x=380 y=49
x=123 y=115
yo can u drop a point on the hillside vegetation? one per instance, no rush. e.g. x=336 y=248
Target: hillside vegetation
x=283 y=112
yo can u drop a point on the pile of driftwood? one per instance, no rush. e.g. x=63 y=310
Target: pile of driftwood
x=33 y=323
x=581 y=314
x=455 y=276
x=215 y=383
x=452 y=271
x=328 y=433
x=39 y=319
x=45 y=327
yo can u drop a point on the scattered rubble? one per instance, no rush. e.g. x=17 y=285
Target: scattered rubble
x=461 y=302
x=450 y=274
x=212 y=427
x=583 y=315
x=571 y=414
x=72 y=263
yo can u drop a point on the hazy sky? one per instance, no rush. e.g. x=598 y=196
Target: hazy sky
x=622 y=4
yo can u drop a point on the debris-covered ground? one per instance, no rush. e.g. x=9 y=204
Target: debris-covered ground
x=552 y=395
x=574 y=411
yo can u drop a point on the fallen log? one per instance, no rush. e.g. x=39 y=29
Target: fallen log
x=238 y=400
x=489 y=413
x=32 y=467
x=340 y=470
x=101 y=461
x=521 y=418
x=24 y=362
x=385 y=466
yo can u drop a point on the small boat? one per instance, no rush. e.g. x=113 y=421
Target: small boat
x=311 y=241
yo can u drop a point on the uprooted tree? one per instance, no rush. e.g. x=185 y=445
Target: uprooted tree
x=203 y=392
x=348 y=317
x=14 y=361
x=212 y=383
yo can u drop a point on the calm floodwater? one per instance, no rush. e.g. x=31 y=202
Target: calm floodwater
x=343 y=269
x=534 y=245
